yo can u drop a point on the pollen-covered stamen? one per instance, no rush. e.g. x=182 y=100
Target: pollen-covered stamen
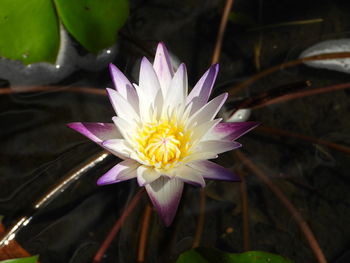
x=162 y=143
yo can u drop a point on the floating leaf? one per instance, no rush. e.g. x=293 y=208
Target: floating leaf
x=329 y=46
x=211 y=255
x=93 y=23
x=33 y=259
x=29 y=31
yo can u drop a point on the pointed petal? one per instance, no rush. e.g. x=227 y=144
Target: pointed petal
x=190 y=175
x=209 y=110
x=213 y=171
x=232 y=130
x=146 y=175
x=124 y=87
x=216 y=146
x=97 y=132
x=201 y=130
x=178 y=88
x=148 y=80
x=121 y=106
x=199 y=156
x=201 y=91
x=163 y=68
x=118 y=146
x=123 y=171
x=165 y=195
x=125 y=128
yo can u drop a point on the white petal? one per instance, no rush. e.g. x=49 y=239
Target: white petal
x=201 y=91
x=97 y=132
x=125 y=127
x=217 y=146
x=121 y=106
x=201 y=130
x=190 y=175
x=163 y=68
x=165 y=195
x=123 y=171
x=146 y=102
x=124 y=87
x=209 y=110
x=214 y=171
x=178 y=88
x=199 y=156
x=148 y=80
x=118 y=146
x=146 y=175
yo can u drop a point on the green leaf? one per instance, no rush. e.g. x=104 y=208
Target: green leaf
x=93 y=23
x=211 y=255
x=29 y=31
x=32 y=259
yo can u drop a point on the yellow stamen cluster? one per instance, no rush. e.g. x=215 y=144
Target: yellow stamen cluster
x=162 y=144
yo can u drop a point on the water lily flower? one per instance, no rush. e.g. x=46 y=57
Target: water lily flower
x=164 y=135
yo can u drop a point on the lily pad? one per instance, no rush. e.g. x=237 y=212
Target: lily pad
x=211 y=255
x=32 y=259
x=29 y=30
x=93 y=23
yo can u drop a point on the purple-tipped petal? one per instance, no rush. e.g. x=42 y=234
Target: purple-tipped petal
x=123 y=86
x=190 y=175
x=202 y=90
x=118 y=147
x=97 y=132
x=209 y=110
x=178 y=87
x=123 y=171
x=121 y=106
x=148 y=80
x=162 y=66
x=210 y=170
x=165 y=195
x=232 y=130
x=217 y=146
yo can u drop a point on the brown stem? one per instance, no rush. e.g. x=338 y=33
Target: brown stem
x=280 y=132
x=221 y=32
x=118 y=224
x=288 y=64
x=301 y=94
x=304 y=227
x=144 y=233
x=245 y=213
x=201 y=219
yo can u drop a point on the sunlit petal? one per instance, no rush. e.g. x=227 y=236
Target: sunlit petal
x=165 y=195
x=163 y=68
x=123 y=171
x=210 y=170
x=200 y=93
x=124 y=87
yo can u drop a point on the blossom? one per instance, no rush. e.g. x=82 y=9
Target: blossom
x=164 y=135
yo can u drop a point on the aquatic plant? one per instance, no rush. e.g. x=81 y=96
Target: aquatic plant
x=163 y=135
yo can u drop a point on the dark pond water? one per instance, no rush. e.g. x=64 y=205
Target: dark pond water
x=37 y=150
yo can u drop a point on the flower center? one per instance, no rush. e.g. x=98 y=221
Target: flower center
x=162 y=144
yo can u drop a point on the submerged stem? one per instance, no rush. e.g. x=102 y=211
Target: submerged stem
x=292 y=63
x=118 y=224
x=144 y=233
x=280 y=132
x=304 y=227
